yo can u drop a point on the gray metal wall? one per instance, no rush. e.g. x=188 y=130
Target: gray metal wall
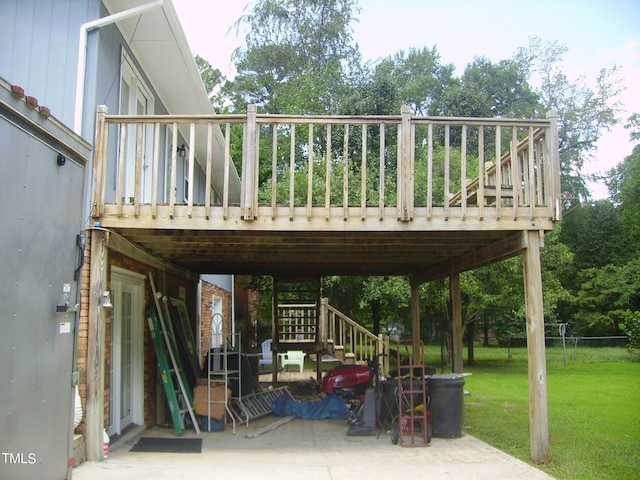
x=40 y=218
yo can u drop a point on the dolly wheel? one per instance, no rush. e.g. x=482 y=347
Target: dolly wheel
x=395 y=431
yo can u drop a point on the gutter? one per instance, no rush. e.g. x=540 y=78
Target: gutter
x=85 y=28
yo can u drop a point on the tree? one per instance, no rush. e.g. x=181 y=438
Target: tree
x=420 y=78
x=624 y=188
x=213 y=81
x=298 y=54
x=605 y=295
x=301 y=58
x=630 y=326
x=372 y=301
x=584 y=113
x=493 y=90
x=596 y=235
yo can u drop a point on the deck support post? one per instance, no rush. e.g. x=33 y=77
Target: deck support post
x=415 y=322
x=455 y=297
x=94 y=416
x=275 y=334
x=538 y=409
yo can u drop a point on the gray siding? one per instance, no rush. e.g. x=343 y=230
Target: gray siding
x=39 y=51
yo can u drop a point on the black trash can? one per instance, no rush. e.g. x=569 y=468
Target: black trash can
x=446 y=396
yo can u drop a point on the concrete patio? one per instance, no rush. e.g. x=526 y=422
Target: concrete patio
x=308 y=450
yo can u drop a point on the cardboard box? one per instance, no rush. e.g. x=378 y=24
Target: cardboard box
x=201 y=401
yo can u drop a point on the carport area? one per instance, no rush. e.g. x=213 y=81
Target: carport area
x=308 y=450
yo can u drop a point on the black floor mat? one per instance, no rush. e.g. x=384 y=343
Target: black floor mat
x=168 y=445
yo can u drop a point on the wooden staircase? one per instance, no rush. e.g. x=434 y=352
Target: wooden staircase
x=303 y=320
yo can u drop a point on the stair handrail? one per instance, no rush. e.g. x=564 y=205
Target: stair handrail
x=354 y=338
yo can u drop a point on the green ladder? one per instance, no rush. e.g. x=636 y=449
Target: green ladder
x=170 y=366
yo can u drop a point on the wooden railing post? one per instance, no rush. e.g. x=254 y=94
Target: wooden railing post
x=552 y=166
x=249 y=185
x=323 y=326
x=405 y=168
x=99 y=162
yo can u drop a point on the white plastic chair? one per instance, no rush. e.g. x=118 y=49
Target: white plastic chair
x=267 y=355
x=294 y=357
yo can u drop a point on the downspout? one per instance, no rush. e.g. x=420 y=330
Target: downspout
x=85 y=28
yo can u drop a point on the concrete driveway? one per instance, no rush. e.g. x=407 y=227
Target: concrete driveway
x=309 y=450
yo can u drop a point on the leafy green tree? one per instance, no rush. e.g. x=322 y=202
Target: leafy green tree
x=624 y=187
x=630 y=326
x=371 y=301
x=493 y=90
x=298 y=53
x=596 y=234
x=493 y=296
x=584 y=113
x=605 y=294
x=301 y=58
x=213 y=81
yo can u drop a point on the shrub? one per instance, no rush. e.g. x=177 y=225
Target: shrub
x=631 y=328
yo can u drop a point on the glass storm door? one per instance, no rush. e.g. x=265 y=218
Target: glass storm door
x=126 y=353
x=135 y=99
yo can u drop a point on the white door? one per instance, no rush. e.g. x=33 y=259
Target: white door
x=126 y=390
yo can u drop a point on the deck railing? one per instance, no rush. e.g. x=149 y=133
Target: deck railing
x=327 y=167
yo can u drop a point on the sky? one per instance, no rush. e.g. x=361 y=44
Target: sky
x=597 y=33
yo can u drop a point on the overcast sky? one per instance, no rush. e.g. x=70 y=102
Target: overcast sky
x=598 y=34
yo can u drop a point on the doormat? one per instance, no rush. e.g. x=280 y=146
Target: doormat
x=168 y=445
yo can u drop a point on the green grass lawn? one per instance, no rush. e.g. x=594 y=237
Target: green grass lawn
x=594 y=409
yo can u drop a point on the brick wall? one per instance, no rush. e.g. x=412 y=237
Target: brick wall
x=171 y=286
x=208 y=290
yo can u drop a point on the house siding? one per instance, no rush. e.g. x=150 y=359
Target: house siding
x=39 y=51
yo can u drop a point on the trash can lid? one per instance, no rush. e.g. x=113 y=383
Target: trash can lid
x=445 y=376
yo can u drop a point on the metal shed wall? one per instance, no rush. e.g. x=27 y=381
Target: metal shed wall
x=40 y=218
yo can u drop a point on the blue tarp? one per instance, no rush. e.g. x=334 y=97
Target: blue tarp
x=331 y=407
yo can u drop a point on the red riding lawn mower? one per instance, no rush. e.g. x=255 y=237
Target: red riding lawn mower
x=356 y=385
x=348 y=381
x=360 y=388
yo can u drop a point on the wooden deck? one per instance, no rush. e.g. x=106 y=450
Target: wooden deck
x=426 y=197
x=319 y=195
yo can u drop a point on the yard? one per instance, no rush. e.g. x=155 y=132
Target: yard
x=594 y=409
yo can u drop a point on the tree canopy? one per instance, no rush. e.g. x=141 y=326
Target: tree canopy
x=301 y=57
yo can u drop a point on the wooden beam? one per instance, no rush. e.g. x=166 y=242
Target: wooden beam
x=538 y=413
x=120 y=244
x=456 y=318
x=94 y=416
x=500 y=250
